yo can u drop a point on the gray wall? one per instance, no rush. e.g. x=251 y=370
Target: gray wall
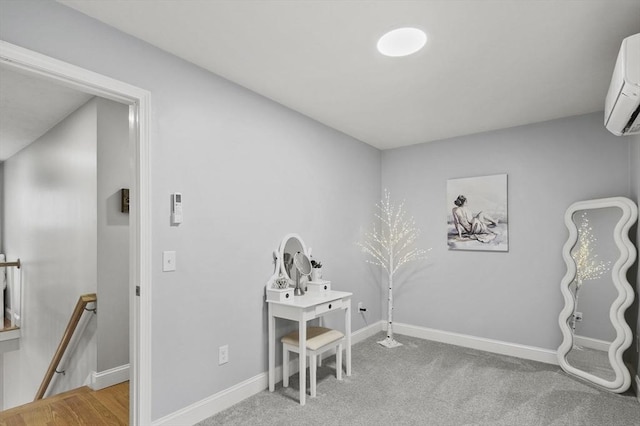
x=250 y=172
x=1 y=251
x=1 y=206
x=113 y=174
x=512 y=297
x=50 y=220
x=635 y=272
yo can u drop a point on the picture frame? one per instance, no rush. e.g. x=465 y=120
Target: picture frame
x=477 y=216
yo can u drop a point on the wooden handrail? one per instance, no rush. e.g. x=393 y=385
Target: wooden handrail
x=66 y=338
x=16 y=263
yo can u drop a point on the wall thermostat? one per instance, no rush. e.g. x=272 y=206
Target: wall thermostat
x=176 y=208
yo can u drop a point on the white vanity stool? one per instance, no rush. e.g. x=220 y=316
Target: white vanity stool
x=292 y=262
x=319 y=340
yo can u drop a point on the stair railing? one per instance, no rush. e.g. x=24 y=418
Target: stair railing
x=81 y=306
x=14 y=290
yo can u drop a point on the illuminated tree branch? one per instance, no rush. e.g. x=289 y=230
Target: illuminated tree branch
x=391 y=246
x=588 y=267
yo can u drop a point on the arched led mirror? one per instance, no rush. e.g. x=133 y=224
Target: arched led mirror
x=598 y=254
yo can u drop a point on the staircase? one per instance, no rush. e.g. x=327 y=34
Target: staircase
x=9 y=338
x=81 y=306
x=10 y=330
x=82 y=406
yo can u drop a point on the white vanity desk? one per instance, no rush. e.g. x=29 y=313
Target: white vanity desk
x=302 y=309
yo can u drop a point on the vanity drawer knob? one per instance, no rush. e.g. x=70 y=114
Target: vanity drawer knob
x=286 y=296
x=329 y=305
x=325 y=287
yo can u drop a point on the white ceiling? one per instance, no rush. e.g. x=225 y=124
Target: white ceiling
x=29 y=107
x=487 y=64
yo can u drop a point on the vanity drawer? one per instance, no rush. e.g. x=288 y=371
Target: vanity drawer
x=329 y=306
x=279 y=295
x=320 y=285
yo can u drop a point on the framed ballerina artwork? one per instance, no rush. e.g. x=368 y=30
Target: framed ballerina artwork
x=477 y=216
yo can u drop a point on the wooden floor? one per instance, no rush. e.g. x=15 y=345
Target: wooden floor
x=83 y=406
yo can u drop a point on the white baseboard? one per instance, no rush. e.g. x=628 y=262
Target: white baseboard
x=224 y=399
x=207 y=407
x=591 y=343
x=113 y=376
x=368 y=331
x=637 y=387
x=488 y=345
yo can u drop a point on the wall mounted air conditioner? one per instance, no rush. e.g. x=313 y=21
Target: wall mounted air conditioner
x=623 y=99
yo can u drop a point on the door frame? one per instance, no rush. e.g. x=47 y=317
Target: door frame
x=139 y=101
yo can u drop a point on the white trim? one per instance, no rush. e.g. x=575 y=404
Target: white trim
x=367 y=331
x=637 y=387
x=488 y=345
x=106 y=378
x=224 y=399
x=207 y=407
x=140 y=216
x=140 y=315
x=626 y=258
x=10 y=335
x=8 y=344
x=591 y=343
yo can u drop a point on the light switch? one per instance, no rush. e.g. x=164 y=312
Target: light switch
x=168 y=261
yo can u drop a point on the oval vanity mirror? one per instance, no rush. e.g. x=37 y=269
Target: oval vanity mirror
x=597 y=254
x=291 y=244
x=286 y=266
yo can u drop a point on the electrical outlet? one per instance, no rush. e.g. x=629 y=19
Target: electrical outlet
x=223 y=354
x=168 y=261
x=361 y=307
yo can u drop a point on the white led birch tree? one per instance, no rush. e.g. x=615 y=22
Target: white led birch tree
x=391 y=246
x=588 y=267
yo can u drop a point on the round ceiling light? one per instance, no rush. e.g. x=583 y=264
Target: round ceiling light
x=402 y=42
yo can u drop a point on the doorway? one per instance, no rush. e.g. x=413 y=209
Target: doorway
x=29 y=62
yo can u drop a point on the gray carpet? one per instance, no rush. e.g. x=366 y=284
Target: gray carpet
x=429 y=383
x=592 y=361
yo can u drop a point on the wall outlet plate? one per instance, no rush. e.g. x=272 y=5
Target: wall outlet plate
x=168 y=261
x=223 y=354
